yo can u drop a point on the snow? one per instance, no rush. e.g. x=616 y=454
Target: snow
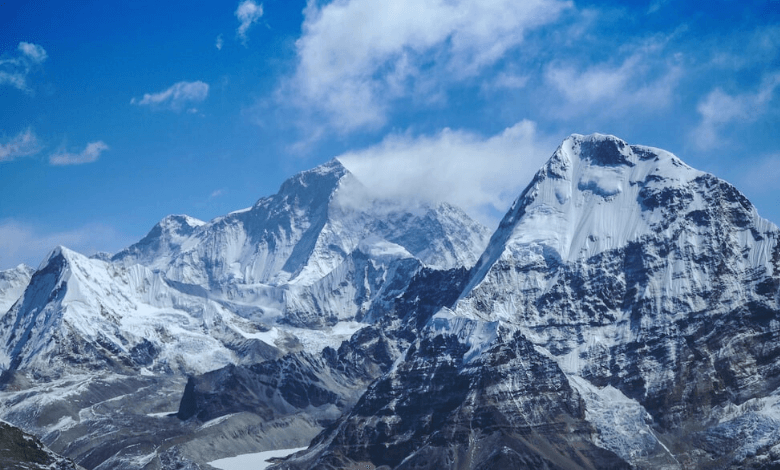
x=479 y=335
x=379 y=248
x=216 y=421
x=256 y=461
x=164 y=414
x=623 y=425
x=314 y=341
x=13 y=282
x=584 y=201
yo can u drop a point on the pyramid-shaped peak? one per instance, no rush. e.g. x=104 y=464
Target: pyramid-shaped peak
x=315 y=184
x=59 y=256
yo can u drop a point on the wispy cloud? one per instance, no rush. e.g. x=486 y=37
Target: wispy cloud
x=175 y=98
x=23 y=144
x=219 y=42
x=480 y=174
x=248 y=13
x=743 y=49
x=15 y=69
x=90 y=154
x=216 y=193
x=762 y=176
x=641 y=81
x=719 y=109
x=24 y=243
x=656 y=5
x=403 y=45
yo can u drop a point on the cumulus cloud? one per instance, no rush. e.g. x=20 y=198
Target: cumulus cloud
x=15 y=69
x=483 y=175
x=248 y=13
x=719 y=109
x=23 y=144
x=178 y=96
x=401 y=44
x=23 y=243
x=90 y=154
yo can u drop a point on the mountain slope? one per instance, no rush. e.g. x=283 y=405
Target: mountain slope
x=277 y=260
x=21 y=451
x=13 y=282
x=651 y=287
x=95 y=353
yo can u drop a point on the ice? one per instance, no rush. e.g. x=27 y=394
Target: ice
x=256 y=461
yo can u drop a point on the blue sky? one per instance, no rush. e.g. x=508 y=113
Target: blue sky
x=115 y=114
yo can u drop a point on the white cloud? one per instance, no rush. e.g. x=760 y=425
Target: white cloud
x=216 y=193
x=481 y=175
x=176 y=97
x=24 y=144
x=610 y=89
x=23 y=243
x=14 y=70
x=357 y=56
x=219 y=42
x=35 y=52
x=719 y=109
x=90 y=154
x=248 y=13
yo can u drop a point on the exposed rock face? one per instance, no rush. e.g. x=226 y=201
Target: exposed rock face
x=466 y=395
x=322 y=386
x=22 y=451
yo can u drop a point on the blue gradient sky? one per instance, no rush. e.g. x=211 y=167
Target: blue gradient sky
x=115 y=114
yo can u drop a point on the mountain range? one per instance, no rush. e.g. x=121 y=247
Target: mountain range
x=624 y=314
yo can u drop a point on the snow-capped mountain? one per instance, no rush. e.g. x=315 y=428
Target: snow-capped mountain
x=292 y=256
x=625 y=314
x=302 y=233
x=298 y=271
x=627 y=304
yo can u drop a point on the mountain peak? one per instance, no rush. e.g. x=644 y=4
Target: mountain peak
x=598 y=193
x=58 y=253
x=311 y=186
